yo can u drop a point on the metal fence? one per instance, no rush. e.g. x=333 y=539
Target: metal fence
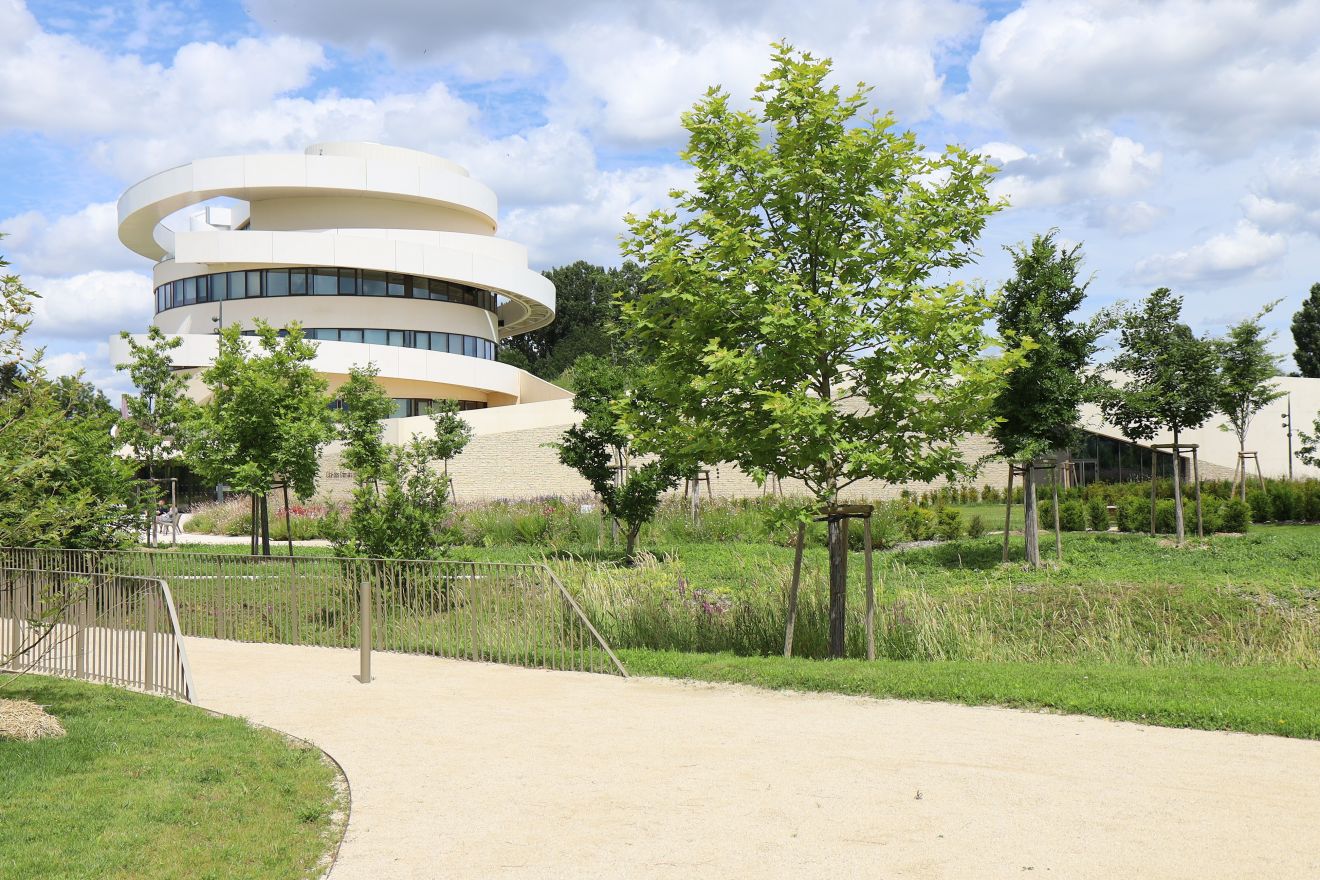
x=104 y=627
x=510 y=613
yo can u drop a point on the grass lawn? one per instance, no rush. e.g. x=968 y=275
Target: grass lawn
x=1280 y=701
x=143 y=787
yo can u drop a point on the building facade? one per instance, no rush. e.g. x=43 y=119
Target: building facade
x=384 y=255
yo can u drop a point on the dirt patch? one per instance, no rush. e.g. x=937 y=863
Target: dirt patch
x=26 y=721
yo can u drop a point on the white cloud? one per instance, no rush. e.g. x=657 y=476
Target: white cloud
x=1127 y=218
x=1288 y=199
x=1096 y=164
x=1223 y=75
x=1245 y=251
x=92 y=306
x=67 y=245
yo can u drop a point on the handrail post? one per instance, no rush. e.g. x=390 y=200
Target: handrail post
x=80 y=638
x=149 y=646
x=16 y=631
x=364 y=630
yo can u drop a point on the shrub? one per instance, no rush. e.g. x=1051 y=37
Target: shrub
x=1072 y=516
x=1211 y=512
x=1234 y=515
x=918 y=523
x=950 y=526
x=975 y=526
x=1097 y=511
x=1133 y=514
x=1045 y=513
x=1166 y=516
x=1311 y=501
x=1261 y=508
x=1285 y=503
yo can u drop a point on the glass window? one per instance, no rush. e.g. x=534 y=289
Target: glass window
x=455 y=343
x=254 y=283
x=395 y=337
x=237 y=285
x=439 y=289
x=350 y=335
x=373 y=283
x=325 y=282
x=348 y=284
x=421 y=339
x=398 y=285
x=400 y=410
x=297 y=282
x=277 y=282
x=376 y=337
x=420 y=289
x=219 y=285
x=470 y=346
x=189 y=291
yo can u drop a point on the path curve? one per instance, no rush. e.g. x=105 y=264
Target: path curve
x=476 y=770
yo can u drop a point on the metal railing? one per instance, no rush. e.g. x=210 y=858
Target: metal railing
x=511 y=613
x=103 y=627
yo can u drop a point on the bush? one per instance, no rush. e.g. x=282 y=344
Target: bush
x=1045 y=514
x=918 y=523
x=1133 y=514
x=1262 y=510
x=1072 y=516
x=1166 y=516
x=1311 y=501
x=1234 y=516
x=950 y=526
x=1097 y=511
x=975 y=526
x=1285 y=503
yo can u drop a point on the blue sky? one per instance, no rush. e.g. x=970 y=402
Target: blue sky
x=1176 y=140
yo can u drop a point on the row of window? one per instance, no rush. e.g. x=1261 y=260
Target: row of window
x=454 y=343
x=406 y=407
x=251 y=283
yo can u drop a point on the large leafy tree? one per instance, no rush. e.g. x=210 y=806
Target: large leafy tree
x=602 y=451
x=1246 y=372
x=63 y=485
x=1306 y=335
x=399 y=497
x=1037 y=407
x=266 y=421
x=154 y=414
x=586 y=315
x=798 y=318
x=1168 y=378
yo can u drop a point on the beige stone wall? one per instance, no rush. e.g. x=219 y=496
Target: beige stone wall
x=520 y=465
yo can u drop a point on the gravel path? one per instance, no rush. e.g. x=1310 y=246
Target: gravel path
x=476 y=770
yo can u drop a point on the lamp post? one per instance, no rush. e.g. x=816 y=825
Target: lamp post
x=1287 y=424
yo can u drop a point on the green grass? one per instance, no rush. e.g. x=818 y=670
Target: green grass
x=143 y=787
x=1278 y=701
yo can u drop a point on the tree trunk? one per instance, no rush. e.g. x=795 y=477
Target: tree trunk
x=256 y=523
x=1177 y=491
x=265 y=527
x=838 y=540
x=1031 y=521
x=633 y=532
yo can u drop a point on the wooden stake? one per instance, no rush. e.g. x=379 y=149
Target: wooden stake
x=870 y=592
x=1008 y=508
x=793 y=590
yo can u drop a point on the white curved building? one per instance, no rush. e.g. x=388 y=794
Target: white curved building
x=384 y=255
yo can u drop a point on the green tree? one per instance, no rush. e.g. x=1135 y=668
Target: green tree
x=452 y=433
x=600 y=449
x=63 y=484
x=399 y=498
x=1168 y=379
x=1037 y=407
x=266 y=421
x=1246 y=371
x=586 y=315
x=1306 y=335
x=797 y=318
x=156 y=411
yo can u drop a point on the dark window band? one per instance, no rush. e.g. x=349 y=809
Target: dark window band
x=453 y=343
x=252 y=283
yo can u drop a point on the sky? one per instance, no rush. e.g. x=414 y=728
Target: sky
x=1178 y=142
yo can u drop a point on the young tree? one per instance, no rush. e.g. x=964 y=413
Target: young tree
x=793 y=322
x=398 y=497
x=154 y=413
x=1038 y=405
x=600 y=449
x=1246 y=370
x=452 y=433
x=1168 y=379
x=267 y=419
x=63 y=485
x=1306 y=335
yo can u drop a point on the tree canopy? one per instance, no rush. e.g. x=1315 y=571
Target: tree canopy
x=1246 y=370
x=1306 y=334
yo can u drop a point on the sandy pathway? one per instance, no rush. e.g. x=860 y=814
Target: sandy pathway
x=474 y=770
